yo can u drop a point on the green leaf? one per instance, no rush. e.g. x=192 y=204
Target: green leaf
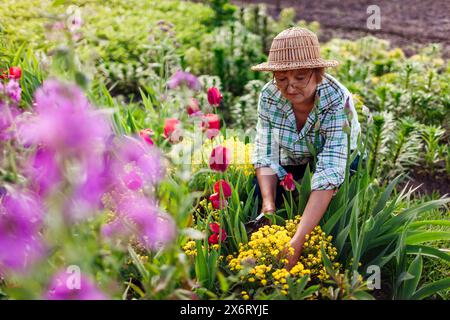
x=305 y=190
x=427 y=236
x=331 y=222
x=428 y=251
x=222 y=282
x=445 y=223
x=130 y=122
x=138 y=263
x=415 y=270
x=362 y=295
x=431 y=288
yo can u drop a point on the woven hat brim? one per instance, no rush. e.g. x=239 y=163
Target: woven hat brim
x=284 y=66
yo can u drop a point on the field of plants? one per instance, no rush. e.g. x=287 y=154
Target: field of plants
x=126 y=141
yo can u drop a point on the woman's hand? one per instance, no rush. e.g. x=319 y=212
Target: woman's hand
x=293 y=258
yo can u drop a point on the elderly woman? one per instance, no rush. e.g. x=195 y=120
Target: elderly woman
x=301 y=107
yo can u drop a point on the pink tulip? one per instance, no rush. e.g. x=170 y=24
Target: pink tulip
x=172 y=130
x=193 y=107
x=219 y=159
x=211 y=121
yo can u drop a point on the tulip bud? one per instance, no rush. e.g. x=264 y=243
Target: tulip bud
x=214 y=96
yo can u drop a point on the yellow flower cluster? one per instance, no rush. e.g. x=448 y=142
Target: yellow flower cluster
x=205 y=206
x=263 y=259
x=190 y=249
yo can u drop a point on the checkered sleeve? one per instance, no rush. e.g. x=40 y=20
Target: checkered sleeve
x=266 y=152
x=331 y=161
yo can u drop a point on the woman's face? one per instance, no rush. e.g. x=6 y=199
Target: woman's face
x=297 y=86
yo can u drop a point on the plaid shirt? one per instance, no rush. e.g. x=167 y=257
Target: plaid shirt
x=278 y=143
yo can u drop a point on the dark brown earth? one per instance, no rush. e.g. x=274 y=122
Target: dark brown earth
x=408 y=24
x=429 y=183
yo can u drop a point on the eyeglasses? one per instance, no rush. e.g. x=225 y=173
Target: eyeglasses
x=300 y=84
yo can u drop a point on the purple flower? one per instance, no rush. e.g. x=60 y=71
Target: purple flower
x=13 y=90
x=21 y=217
x=68 y=286
x=55 y=94
x=65 y=122
x=136 y=162
x=91 y=184
x=137 y=217
x=186 y=78
x=44 y=171
x=8 y=115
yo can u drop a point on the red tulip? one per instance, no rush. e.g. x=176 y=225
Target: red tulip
x=226 y=188
x=214 y=238
x=211 y=121
x=172 y=129
x=219 y=159
x=288 y=182
x=215 y=227
x=193 y=107
x=216 y=202
x=146 y=134
x=214 y=96
x=15 y=73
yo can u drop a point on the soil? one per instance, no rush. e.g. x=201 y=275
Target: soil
x=429 y=182
x=406 y=24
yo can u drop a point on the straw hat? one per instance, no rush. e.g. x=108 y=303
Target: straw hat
x=294 y=48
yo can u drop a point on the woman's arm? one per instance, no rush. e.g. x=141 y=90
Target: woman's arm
x=315 y=208
x=267 y=181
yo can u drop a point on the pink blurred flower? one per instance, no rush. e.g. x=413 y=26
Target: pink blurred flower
x=21 y=218
x=143 y=160
x=137 y=216
x=43 y=171
x=65 y=122
x=219 y=159
x=184 y=78
x=66 y=286
x=214 y=96
x=8 y=116
x=146 y=134
x=13 y=90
